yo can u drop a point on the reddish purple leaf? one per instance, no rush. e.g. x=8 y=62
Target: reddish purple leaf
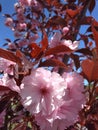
x=9 y=56
x=53 y=63
x=58 y=49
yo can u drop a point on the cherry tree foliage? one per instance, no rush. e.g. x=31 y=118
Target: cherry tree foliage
x=49 y=73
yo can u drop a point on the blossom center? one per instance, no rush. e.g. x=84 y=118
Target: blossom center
x=43 y=90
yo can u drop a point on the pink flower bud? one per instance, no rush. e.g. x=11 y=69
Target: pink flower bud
x=9 y=22
x=65 y=30
x=11 y=46
x=21 y=26
x=25 y=2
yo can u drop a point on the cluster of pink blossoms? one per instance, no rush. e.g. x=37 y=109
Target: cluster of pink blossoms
x=53 y=99
x=29 y=3
x=56 y=40
x=7 y=68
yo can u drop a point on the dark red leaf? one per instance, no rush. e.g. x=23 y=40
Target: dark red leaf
x=91 y=36
x=44 y=42
x=95 y=32
x=4 y=102
x=89 y=29
x=84 y=38
x=54 y=21
x=87 y=20
x=73 y=13
x=7 y=15
x=8 y=40
x=70 y=1
x=58 y=49
x=53 y=63
x=85 y=51
x=92 y=5
x=55 y=3
x=48 y=1
x=90 y=126
x=76 y=60
x=96 y=90
x=36 y=50
x=90 y=69
x=95 y=53
x=9 y=56
x=4 y=88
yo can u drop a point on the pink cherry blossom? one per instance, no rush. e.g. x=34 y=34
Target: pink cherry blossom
x=25 y=2
x=33 y=3
x=21 y=26
x=72 y=45
x=40 y=91
x=56 y=40
x=6 y=66
x=11 y=46
x=46 y=125
x=75 y=89
x=20 y=15
x=9 y=22
x=10 y=83
x=53 y=99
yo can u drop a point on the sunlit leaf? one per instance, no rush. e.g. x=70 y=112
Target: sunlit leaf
x=90 y=69
x=58 y=49
x=72 y=13
x=36 y=50
x=44 y=42
x=9 y=56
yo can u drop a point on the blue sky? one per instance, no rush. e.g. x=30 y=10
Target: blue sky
x=8 y=8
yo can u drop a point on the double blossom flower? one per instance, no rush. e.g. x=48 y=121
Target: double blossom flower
x=53 y=99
